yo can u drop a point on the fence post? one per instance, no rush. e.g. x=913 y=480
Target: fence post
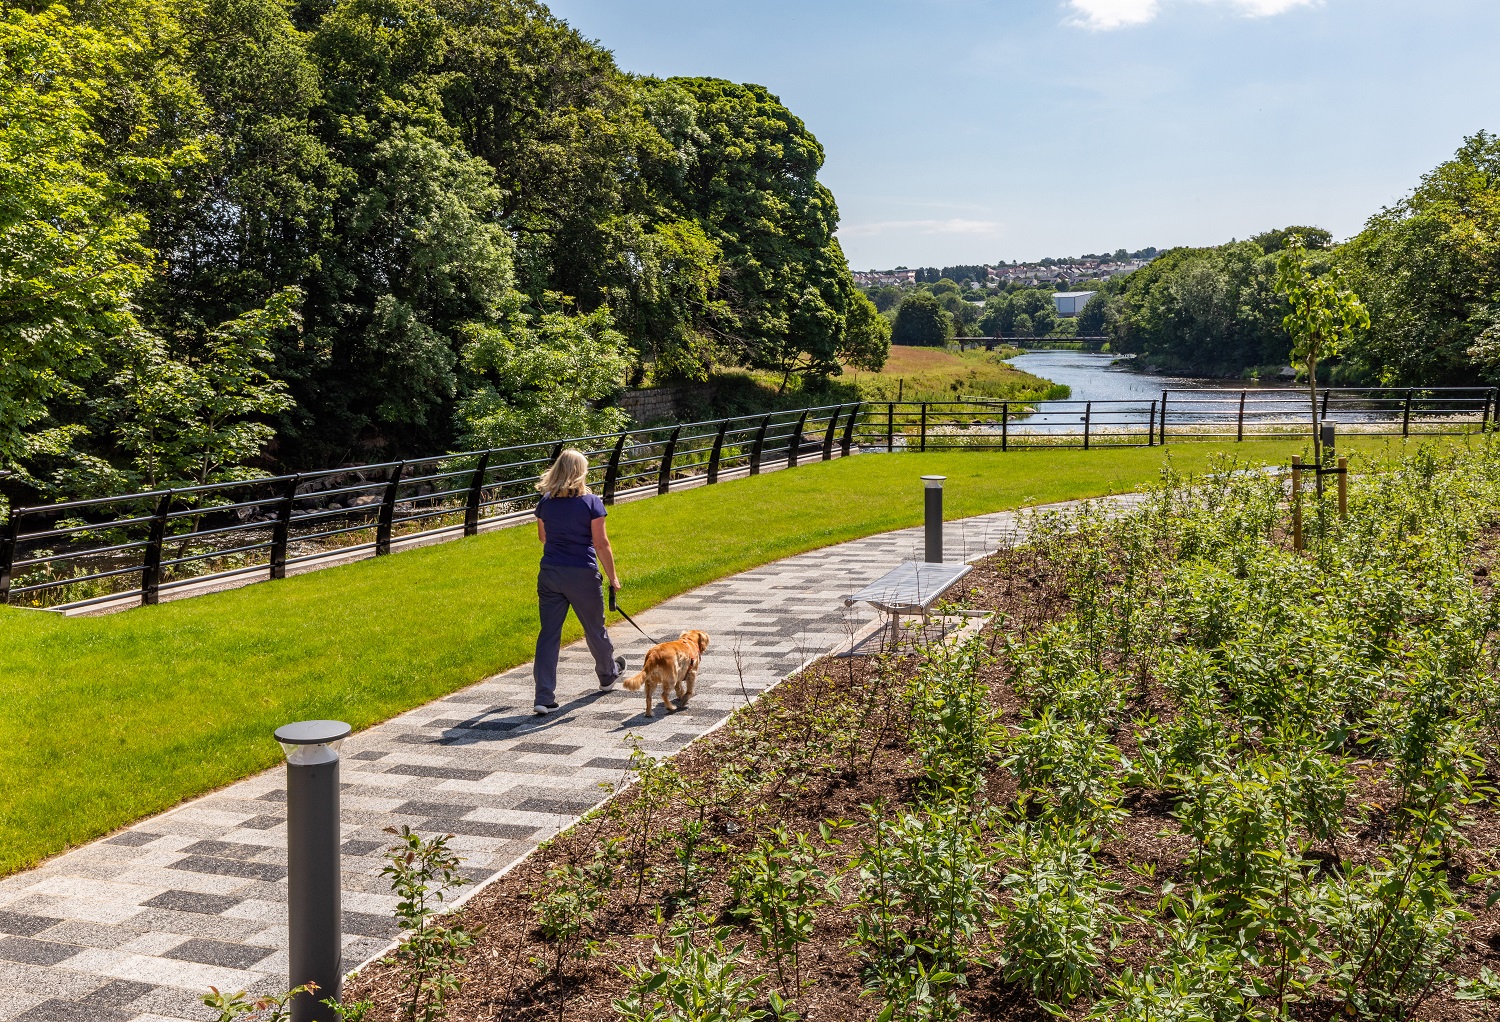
x=717 y=452
x=924 y=425
x=556 y=452
x=1004 y=425
x=1343 y=487
x=612 y=472
x=1164 y=417
x=664 y=478
x=1406 y=416
x=281 y=532
x=388 y=511
x=890 y=426
x=755 y=448
x=833 y=424
x=794 y=447
x=476 y=496
x=1484 y=416
x=1151 y=427
x=849 y=428
x=1240 y=431
x=1296 y=502
x=10 y=535
x=151 y=560
x=1088 y=413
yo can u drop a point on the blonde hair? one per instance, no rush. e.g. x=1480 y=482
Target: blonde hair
x=568 y=476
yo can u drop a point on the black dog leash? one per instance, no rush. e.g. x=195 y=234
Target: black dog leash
x=613 y=605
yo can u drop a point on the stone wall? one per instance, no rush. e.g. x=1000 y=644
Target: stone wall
x=654 y=404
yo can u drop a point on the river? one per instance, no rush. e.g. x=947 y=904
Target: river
x=1125 y=397
x=1092 y=377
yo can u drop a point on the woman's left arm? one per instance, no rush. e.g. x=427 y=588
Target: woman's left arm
x=606 y=555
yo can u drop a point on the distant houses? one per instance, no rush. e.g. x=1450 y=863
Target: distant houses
x=1071 y=303
x=1054 y=273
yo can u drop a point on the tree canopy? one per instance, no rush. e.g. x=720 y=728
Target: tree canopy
x=377 y=228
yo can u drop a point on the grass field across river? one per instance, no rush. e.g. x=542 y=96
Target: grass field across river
x=112 y=718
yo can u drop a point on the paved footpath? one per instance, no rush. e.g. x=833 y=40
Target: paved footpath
x=135 y=927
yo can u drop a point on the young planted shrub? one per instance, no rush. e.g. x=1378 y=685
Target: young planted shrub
x=691 y=981
x=430 y=958
x=778 y=888
x=1058 y=922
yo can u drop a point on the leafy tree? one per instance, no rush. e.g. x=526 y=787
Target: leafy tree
x=1211 y=310
x=1324 y=316
x=196 y=420
x=867 y=342
x=1023 y=326
x=921 y=321
x=885 y=297
x=1428 y=269
x=998 y=317
x=753 y=184
x=542 y=379
x=1096 y=317
x=71 y=257
x=1272 y=242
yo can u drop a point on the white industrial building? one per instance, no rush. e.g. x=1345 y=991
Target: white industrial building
x=1071 y=303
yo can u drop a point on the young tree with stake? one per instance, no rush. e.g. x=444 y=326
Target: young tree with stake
x=1323 y=317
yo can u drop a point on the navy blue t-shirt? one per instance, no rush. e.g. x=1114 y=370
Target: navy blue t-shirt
x=570 y=532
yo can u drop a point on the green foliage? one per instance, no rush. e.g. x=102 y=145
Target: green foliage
x=422 y=872
x=1058 y=922
x=542 y=381
x=693 y=982
x=1211 y=310
x=1322 y=318
x=1428 y=268
x=921 y=320
x=270 y=1007
x=778 y=888
x=469 y=200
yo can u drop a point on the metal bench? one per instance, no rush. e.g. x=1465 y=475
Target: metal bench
x=912 y=587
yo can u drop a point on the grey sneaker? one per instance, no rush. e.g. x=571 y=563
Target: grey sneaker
x=605 y=686
x=542 y=711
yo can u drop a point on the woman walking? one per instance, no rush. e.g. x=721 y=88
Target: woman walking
x=570 y=526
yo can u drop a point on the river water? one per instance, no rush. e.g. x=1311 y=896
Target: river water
x=1093 y=378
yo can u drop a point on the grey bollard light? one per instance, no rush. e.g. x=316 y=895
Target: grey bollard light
x=1328 y=435
x=315 y=923
x=934 y=494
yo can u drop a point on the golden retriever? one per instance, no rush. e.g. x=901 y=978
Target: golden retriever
x=672 y=669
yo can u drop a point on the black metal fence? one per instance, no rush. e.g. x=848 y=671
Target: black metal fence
x=115 y=551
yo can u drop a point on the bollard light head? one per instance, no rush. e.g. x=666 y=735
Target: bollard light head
x=933 y=482
x=309 y=742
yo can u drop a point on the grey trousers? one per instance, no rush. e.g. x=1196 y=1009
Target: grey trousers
x=557 y=589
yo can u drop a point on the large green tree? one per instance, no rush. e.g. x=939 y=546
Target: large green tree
x=1428 y=270
x=920 y=320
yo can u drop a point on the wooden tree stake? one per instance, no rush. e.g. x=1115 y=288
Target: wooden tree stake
x=1296 y=502
x=1343 y=487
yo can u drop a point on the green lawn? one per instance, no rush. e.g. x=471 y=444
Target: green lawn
x=110 y=719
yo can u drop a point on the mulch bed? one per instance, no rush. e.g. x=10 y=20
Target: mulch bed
x=867 y=763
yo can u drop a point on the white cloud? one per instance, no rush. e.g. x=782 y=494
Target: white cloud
x=951 y=226
x=1107 y=14
x=1104 y=15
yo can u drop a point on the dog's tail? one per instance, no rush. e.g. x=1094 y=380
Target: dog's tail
x=635 y=682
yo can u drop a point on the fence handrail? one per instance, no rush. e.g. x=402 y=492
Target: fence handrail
x=389 y=500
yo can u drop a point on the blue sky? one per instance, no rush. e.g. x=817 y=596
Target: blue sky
x=963 y=131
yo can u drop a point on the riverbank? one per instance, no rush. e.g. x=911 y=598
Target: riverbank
x=910 y=374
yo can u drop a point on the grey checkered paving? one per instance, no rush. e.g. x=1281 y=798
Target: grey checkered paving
x=135 y=927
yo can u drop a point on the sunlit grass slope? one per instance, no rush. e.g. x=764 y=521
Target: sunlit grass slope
x=105 y=720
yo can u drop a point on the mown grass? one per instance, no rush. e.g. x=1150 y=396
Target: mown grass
x=110 y=719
